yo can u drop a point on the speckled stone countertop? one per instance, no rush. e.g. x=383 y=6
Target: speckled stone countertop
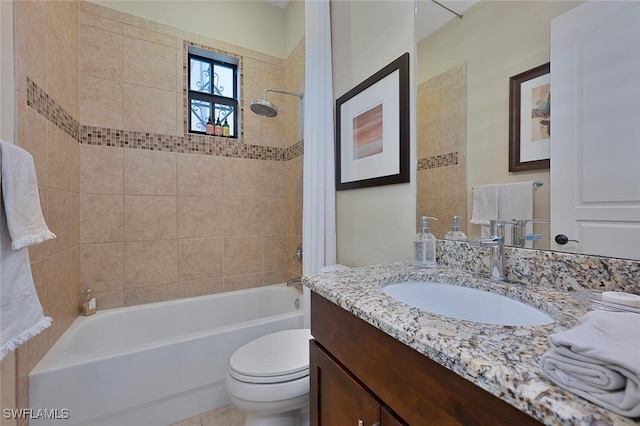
x=500 y=359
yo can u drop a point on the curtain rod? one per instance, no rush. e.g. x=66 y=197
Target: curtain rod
x=450 y=10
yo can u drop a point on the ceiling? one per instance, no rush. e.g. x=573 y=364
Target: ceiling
x=430 y=15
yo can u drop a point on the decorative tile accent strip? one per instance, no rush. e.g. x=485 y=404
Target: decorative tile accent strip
x=191 y=144
x=46 y=106
x=437 y=161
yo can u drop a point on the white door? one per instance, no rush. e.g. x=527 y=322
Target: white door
x=595 y=131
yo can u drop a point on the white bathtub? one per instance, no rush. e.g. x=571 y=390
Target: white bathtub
x=158 y=363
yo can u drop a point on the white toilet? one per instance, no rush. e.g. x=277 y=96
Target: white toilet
x=269 y=379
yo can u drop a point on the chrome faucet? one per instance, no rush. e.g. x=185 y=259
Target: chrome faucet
x=496 y=242
x=519 y=234
x=293 y=281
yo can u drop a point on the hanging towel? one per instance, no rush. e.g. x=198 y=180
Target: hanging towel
x=515 y=201
x=485 y=207
x=599 y=360
x=21 y=225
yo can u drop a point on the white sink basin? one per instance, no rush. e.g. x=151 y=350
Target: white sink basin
x=466 y=303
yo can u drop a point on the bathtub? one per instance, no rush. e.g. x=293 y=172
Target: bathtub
x=154 y=364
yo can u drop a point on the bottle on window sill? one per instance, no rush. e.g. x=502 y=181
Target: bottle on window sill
x=225 y=129
x=209 y=127
x=218 y=128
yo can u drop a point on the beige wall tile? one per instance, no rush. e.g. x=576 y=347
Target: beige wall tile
x=200 y=217
x=151 y=294
x=148 y=64
x=242 y=255
x=150 y=263
x=429 y=184
x=276 y=277
x=149 y=35
x=275 y=249
x=199 y=175
x=101 y=218
x=274 y=178
x=274 y=213
x=100 y=53
x=109 y=299
x=241 y=177
x=99 y=22
x=102 y=267
x=64 y=219
x=42 y=250
x=294 y=176
x=200 y=259
x=101 y=169
x=59 y=159
x=241 y=282
x=149 y=172
x=31 y=136
x=30 y=45
x=150 y=217
x=100 y=102
x=149 y=109
x=294 y=215
x=200 y=287
x=242 y=216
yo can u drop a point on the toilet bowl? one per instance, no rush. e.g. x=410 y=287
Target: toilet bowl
x=268 y=379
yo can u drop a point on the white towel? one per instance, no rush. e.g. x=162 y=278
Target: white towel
x=599 y=360
x=485 y=207
x=515 y=201
x=21 y=225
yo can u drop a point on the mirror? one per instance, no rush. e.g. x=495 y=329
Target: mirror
x=462 y=75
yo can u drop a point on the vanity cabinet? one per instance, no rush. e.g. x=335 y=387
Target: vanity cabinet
x=340 y=398
x=361 y=373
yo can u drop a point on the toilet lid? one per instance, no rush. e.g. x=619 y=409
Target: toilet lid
x=276 y=357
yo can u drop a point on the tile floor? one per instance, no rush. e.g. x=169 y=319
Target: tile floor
x=228 y=415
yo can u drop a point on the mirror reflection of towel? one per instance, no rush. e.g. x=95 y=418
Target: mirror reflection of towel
x=21 y=225
x=515 y=201
x=485 y=207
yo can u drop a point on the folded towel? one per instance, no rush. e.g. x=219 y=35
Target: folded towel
x=599 y=360
x=485 y=207
x=21 y=199
x=515 y=201
x=21 y=225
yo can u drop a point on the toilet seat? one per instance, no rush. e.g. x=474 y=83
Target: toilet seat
x=275 y=358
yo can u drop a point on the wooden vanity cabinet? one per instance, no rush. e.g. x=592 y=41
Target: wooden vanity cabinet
x=358 y=372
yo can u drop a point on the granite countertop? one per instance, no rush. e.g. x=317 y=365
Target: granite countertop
x=500 y=359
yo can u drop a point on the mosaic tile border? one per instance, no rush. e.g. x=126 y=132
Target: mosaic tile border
x=191 y=144
x=46 y=106
x=442 y=160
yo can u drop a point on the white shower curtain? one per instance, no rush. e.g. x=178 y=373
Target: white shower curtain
x=318 y=208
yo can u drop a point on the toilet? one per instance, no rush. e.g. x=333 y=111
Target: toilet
x=268 y=379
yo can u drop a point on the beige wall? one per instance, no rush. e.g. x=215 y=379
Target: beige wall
x=374 y=225
x=164 y=225
x=497 y=40
x=46 y=43
x=251 y=24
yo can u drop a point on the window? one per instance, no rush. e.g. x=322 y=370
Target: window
x=213 y=90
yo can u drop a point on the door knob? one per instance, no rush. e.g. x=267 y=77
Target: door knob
x=563 y=239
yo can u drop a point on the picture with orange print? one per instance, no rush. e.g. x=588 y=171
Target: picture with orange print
x=367 y=133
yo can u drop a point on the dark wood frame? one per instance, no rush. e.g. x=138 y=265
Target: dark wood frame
x=515 y=82
x=401 y=64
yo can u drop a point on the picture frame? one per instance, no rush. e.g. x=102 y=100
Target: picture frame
x=530 y=119
x=372 y=130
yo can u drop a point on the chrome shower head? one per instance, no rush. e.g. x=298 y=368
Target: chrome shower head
x=264 y=108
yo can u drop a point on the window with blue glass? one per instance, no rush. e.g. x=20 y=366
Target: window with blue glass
x=213 y=91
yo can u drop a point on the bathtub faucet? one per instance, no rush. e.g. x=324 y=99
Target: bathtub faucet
x=292 y=281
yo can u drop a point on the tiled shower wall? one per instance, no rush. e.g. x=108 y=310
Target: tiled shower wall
x=442 y=144
x=164 y=214
x=46 y=43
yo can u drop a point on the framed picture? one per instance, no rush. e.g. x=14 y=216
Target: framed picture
x=530 y=119
x=372 y=129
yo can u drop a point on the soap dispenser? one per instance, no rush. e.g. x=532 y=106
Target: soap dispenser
x=424 y=246
x=456 y=234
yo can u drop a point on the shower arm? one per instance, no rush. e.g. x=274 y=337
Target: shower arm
x=264 y=94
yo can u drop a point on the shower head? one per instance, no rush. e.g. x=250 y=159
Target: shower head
x=264 y=108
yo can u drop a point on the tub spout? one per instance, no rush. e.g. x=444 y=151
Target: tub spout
x=293 y=281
